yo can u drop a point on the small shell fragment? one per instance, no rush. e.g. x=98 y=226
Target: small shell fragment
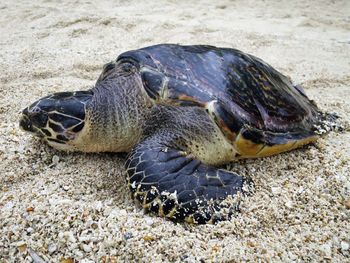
x=22 y=246
x=148 y=238
x=55 y=159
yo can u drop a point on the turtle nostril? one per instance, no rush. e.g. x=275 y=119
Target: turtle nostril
x=33 y=117
x=35 y=110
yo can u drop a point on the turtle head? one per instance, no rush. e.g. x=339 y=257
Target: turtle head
x=108 y=118
x=57 y=118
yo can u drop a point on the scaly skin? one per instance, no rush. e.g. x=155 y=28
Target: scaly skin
x=112 y=115
x=119 y=118
x=115 y=115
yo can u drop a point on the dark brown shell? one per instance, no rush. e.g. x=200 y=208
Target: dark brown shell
x=250 y=92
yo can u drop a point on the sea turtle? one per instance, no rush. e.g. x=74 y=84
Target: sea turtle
x=180 y=112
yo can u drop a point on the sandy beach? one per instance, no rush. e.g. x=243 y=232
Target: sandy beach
x=75 y=207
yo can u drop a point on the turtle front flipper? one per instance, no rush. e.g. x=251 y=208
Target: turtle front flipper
x=171 y=183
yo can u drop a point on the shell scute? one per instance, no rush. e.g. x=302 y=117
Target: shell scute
x=250 y=92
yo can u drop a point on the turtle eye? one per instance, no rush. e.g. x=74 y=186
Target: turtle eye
x=35 y=110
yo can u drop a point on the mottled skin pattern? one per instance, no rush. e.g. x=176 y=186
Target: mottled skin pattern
x=180 y=111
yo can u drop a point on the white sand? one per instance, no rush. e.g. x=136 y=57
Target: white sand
x=59 y=207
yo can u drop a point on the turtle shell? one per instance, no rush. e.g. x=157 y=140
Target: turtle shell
x=250 y=101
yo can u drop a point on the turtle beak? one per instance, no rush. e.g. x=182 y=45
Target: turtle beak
x=25 y=124
x=32 y=120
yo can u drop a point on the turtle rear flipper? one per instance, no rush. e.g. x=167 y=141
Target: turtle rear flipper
x=169 y=182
